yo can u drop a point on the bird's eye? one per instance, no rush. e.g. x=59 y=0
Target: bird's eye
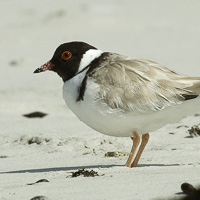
x=66 y=55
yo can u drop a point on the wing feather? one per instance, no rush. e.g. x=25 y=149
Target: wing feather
x=142 y=85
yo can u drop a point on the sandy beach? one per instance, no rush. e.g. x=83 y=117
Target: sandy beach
x=58 y=144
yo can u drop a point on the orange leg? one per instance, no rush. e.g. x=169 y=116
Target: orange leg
x=145 y=139
x=136 y=141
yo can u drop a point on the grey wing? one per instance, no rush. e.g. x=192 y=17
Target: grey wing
x=143 y=85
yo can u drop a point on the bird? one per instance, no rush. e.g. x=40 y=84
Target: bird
x=121 y=96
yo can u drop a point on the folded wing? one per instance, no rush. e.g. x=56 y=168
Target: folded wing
x=142 y=85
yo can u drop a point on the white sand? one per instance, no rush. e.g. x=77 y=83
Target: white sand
x=163 y=31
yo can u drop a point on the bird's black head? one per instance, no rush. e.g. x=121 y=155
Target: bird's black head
x=66 y=59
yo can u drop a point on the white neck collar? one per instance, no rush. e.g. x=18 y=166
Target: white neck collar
x=88 y=57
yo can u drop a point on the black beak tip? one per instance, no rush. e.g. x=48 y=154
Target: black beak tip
x=38 y=70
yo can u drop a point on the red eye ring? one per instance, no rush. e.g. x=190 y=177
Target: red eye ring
x=66 y=55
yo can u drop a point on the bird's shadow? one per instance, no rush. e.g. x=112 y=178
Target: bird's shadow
x=56 y=169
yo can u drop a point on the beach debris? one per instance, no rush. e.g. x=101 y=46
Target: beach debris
x=37 y=140
x=13 y=63
x=16 y=62
x=40 y=181
x=191 y=192
x=116 y=154
x=36 y=114
x=194 y=131
x=39 y=198
x=3 y=156
x=182 y=126
x=33 y=140
x=173 y=149
x=84 y=173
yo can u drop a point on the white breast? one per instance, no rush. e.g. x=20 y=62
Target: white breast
x=91 y=111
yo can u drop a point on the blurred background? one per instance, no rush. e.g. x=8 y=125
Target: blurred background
x=167 y=32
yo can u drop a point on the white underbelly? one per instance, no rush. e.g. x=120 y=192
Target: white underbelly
x=114 y=122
